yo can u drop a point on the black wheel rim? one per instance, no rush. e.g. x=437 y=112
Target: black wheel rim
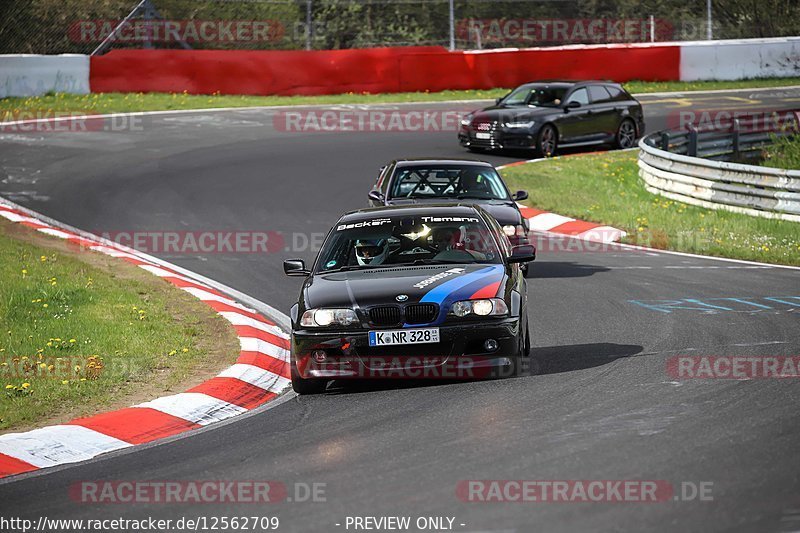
x=627 y=134
x=548 y=141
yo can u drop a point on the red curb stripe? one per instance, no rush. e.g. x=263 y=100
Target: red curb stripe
x=11 y=465
x=222 y=306
x=182 y=283
x=84 y=243
x=267 y=362
x=235 y=391
x=34 y=225
x=530 y=212
x=137 y=262
x=574 y=227
x=489 y=291
x=250 y=331
x=136 y=425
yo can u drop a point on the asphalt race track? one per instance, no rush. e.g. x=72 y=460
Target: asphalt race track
x=604 y=409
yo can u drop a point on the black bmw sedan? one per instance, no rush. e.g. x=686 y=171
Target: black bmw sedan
x=549 y=115
x=428 y=181
x=410 y=292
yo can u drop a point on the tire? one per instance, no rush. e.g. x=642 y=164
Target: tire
x=626 y=134
x=307 y=386
x=521 y=362
x=547 y=141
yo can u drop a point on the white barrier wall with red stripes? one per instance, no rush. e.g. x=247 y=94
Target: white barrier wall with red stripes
x=258 y=376
x=31 y=75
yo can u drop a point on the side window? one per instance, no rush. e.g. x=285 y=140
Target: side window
x=599 y=94
x=579 y=95
x=617 y=94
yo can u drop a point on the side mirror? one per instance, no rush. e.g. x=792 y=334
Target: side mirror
x=520 y=195
x=376 y=196
x=572 y=105
x=523 y=253
x=295 y=267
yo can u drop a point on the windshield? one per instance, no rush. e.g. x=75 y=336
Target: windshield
x=448 y=181
x=408 y=241
x=536 y=95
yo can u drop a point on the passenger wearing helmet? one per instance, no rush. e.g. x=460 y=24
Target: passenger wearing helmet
x=371 y=252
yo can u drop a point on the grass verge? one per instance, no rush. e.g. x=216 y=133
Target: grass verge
x=10 y=108
x=82 y=333
x=784 y=152
x=606 y=188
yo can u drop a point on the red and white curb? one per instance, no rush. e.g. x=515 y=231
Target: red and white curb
x=260 y=374
x=544 y=221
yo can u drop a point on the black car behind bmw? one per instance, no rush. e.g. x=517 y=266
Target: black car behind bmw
x=431 y=181
x=410 y=292
x=547 y=115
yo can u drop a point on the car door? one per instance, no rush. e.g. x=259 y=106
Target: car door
x=602 y=125
x=573 y=124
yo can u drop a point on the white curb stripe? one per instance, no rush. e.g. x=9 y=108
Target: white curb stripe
x=57 y=445
x=13 y=217
x=163 y=273
x=604 y=234
x=547 y=221
x=250 y=344
x=113 y=252
x=208 y=296
x=238 y=319
x=56 y=233
x=195 y=407
x=254 y=375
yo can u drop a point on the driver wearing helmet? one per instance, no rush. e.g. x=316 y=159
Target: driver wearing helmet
x=371 y=252
x=472 y=182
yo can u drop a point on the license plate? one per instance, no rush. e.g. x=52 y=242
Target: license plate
x=480 y=135
x=403 y=336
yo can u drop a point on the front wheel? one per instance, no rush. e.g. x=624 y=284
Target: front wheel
x=547 y=141
x=306 y=386
x=626 y=134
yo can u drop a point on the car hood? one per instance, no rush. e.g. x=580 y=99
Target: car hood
x=439 y=284
x=504 y=113
x=504 y=211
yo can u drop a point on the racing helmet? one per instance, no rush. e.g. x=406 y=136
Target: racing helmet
x=472 y=181
x=371 y=252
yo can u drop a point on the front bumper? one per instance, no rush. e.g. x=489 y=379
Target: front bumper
x=460 y=353
x=499 y=138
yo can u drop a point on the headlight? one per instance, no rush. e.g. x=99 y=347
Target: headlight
x=466 y=119
x=486 y=307
x=510 y=230
x=527 y=124
x=315 y=318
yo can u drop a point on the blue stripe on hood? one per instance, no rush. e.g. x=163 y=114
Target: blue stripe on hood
x=461 y=288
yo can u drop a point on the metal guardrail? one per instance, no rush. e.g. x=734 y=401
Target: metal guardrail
x=670 y=166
